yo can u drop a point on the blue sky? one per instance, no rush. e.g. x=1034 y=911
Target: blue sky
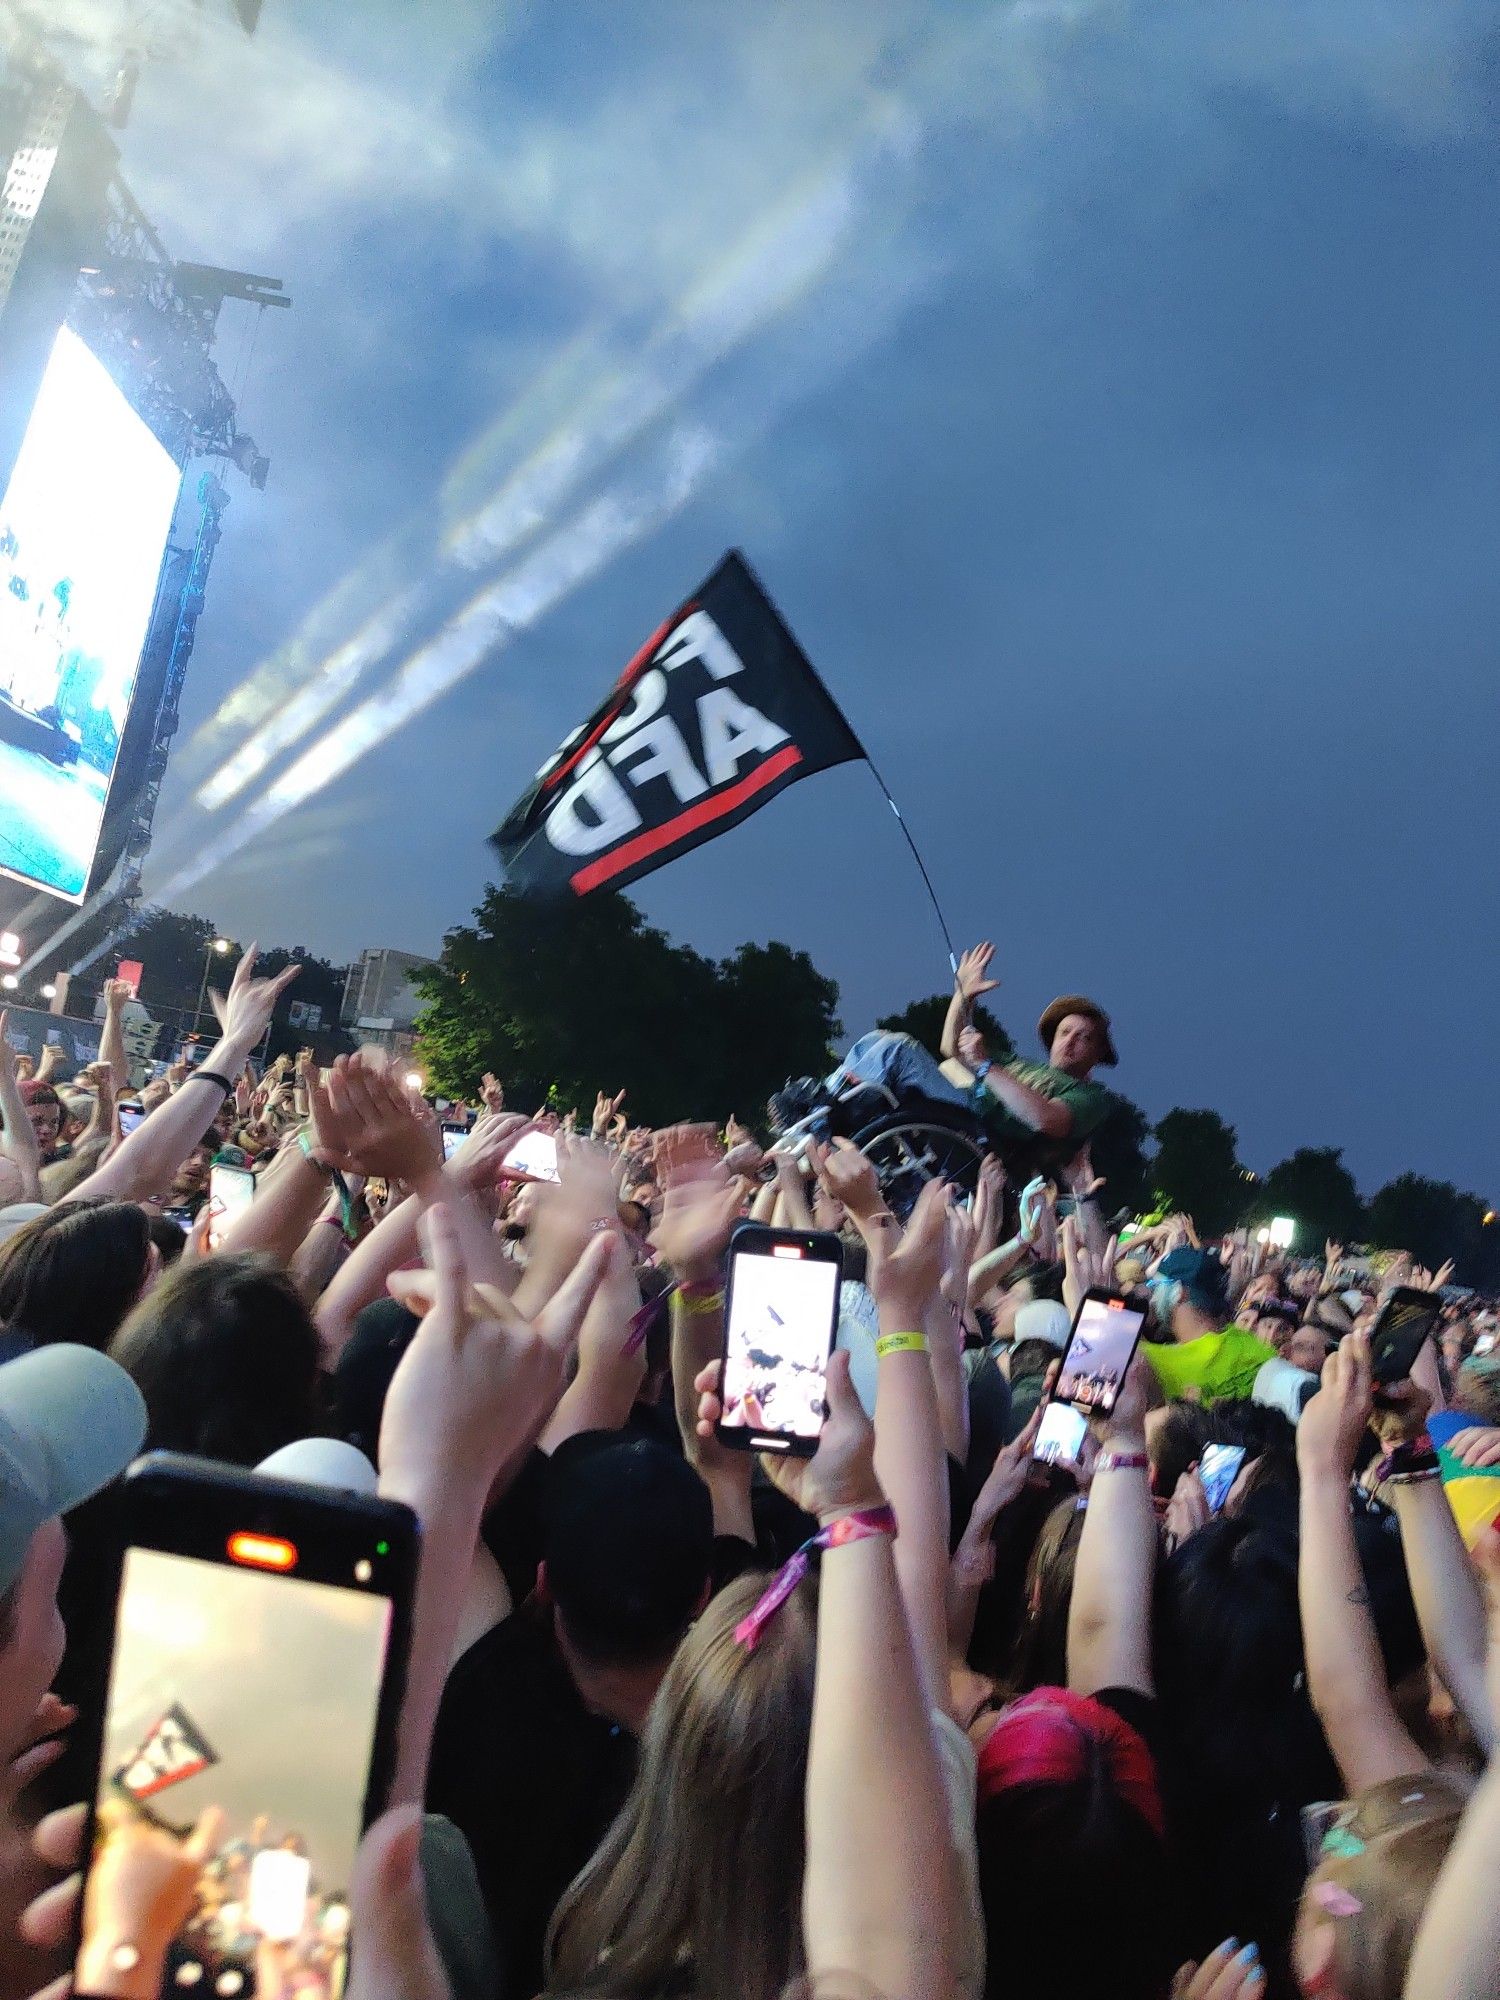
x=1108 y=394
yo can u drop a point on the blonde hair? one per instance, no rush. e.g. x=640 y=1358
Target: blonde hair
x=1402 y=1830
x=699 y=1881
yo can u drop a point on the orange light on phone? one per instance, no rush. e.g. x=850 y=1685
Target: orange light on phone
x=262 y=1551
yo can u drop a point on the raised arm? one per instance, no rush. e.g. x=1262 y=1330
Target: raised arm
x=17 y=1134
x=142 y=1165
x=467 y=1401
x=112 y=1040
x=909 y=1456
x=1043 y=1114
x=1109 y=1619
x=1458 y=1945
x=1444 y=1587
x=1345 y=1674
x=970 y=983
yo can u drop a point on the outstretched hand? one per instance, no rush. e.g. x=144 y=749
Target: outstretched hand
x=245 y=1013
x=839 y=1478
x=972 y=980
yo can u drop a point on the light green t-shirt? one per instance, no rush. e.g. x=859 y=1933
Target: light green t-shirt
x=1220 y=1366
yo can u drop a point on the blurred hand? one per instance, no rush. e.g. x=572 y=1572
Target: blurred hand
x=973 y=980
x=1477 y=1447
x=1230 y=1973
x=392 y=1955
x=1008 y=1476
x=839 y=1478
x=479 y=1160
x=365 y=1120
x=1188 y=1509
x=606 y=1110
x=1334 y=1421
x=701 y=1203
x=1400 y=1413
x=911 y=1273
x=116 y=993
x=847 y=1177
x=1124 y=1427
x=973 y=1050
x=492 y=1092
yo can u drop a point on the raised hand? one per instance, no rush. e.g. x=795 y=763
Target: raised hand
x=1334 y=1420
x=1233 y=1972
x=973 y=980
x=479 y=1161
x=606 y=1110
x=847 y=1177
x=365 y=1120
x=492 y=1092
x=911 y=1273
x=1083 y=1182
x=839 y=1478
x=245 y=1013
x=701 y=1203
x=973 y=1050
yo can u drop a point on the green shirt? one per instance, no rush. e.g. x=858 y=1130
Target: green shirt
x=1220 y=1366
x=1016 y=1141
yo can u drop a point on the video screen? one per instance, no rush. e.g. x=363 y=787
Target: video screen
x=1098 y=1355
x=83 y=527
x=781 y=1318
x=253 y=1697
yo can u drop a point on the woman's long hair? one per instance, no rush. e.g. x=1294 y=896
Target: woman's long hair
x=227 y=1357
x=697 y=1887
x=75 y=1272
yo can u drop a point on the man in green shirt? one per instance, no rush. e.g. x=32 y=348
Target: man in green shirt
x=1039 y=1113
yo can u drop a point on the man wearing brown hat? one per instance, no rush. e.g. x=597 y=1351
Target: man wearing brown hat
x=1040 y=1113
x=1043 y=1110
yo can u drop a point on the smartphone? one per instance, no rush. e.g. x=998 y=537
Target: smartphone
x=1218 y=1469
x=1106 y=1332
x=130 y=1117
x=259 y=1654
x=183 y=1217
x=453 y=1138
x=534 y=1155
x=230 y=1192
x=781 y=1312
x=1400 y=1332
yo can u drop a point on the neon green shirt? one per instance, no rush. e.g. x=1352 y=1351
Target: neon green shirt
x=1219 y=1366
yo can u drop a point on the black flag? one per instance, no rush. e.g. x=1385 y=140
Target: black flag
x=174 y=1749
x=718 y=712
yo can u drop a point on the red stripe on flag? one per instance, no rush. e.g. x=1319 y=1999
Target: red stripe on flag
x=622 y=686
x=704 y=813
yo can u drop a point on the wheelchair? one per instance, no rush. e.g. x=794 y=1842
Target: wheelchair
x=908 y=1139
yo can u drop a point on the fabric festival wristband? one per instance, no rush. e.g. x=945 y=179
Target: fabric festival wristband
x=847 y=1528
x=210 y=1076
x=1122 y=1461
x=698 y=1302
x=899 y=1343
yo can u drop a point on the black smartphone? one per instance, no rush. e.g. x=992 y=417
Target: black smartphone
x=781 y=1312
x=1101 y=1346
x=1400 y=1332
x=453 y=1138
x=250 y=1709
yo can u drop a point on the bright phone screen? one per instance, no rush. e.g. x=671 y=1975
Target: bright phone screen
x=781 y=1317
x=534 y=1153
x=453 y=1138
x=258 y=1695
x=1093 y=1368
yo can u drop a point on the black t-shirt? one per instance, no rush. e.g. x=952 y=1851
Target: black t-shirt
x=529 y=1776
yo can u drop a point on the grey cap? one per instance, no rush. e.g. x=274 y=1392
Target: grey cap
x=71 y=1420
x=1044 y=1319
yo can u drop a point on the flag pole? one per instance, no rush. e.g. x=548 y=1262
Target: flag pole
x=916 y=856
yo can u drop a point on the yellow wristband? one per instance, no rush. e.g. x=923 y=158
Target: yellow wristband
x=900 y=1343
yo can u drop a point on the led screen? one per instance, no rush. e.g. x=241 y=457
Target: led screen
x=83 y=527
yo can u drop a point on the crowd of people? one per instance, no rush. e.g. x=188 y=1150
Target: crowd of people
x=917 y=1715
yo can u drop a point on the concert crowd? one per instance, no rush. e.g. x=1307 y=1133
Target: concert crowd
x=1204 y=1707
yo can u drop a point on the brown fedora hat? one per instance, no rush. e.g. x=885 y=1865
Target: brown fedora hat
x=1075 y=1003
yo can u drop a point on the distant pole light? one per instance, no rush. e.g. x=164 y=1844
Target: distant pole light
x=49 y=991
x=10 y=982
x=413 y=1079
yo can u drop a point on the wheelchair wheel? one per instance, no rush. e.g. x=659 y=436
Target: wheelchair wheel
x=910 y=1147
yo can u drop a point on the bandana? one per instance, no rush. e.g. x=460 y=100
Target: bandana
x=1047 y=1738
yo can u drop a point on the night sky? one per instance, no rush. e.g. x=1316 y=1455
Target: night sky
x=1107 y=393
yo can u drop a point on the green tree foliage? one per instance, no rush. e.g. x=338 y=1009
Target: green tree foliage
x=562 y=999
x=923 y=1021
x=1434 y=1221
x=1118 y=1150
x=1317 y=1190
x=1196 y=1169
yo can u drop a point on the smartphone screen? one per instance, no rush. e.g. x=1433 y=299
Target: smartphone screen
x=453 y=1138
x=780 y=1316
x=535 y=1155
x=230 y=1192
x=1095 y=1363
x=1399 y=1334
x=251 y=1704
x=130 y=1117
x=1218 y=1469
